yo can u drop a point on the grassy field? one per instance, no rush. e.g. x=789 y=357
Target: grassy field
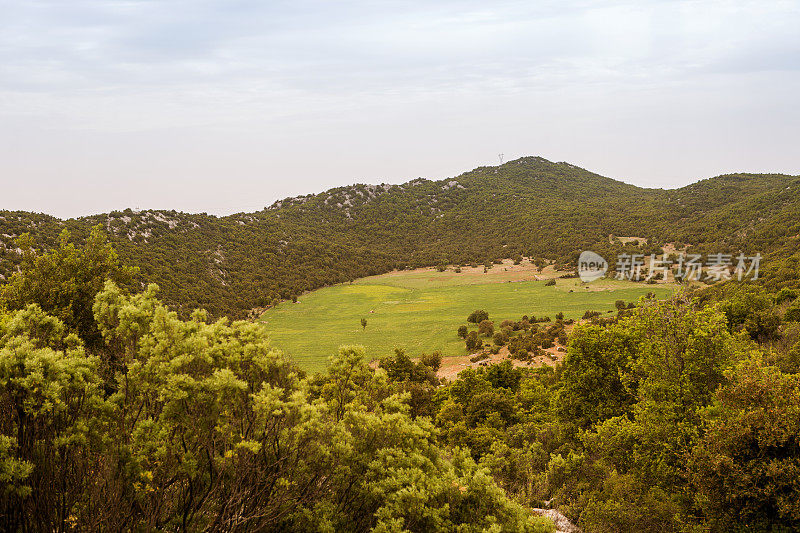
x=420 y=311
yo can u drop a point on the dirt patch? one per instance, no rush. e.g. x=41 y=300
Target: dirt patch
x=562 y=523
x=626 y=240
x=452 y=366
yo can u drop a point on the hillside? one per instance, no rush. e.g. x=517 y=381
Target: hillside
x=529 y=206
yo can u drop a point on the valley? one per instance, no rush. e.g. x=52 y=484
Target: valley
x=419 y=310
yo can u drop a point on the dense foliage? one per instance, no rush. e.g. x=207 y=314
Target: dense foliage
x=192 y=425
x=672 y=416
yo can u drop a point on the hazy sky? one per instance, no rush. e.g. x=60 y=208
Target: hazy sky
x=225 y=106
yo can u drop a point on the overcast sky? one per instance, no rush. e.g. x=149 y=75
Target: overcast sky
x=226 y=106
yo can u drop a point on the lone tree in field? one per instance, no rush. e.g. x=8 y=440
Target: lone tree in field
x=462 y=331
x=363 y=323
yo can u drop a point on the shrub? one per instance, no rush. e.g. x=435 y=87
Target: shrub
x=785 y=294
x=478 y=316
x=500 y=338
x=479 y=357
x=473 y=342
x=792 y=314
x=486 y=328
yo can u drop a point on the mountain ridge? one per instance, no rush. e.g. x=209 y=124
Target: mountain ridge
x=525 y=207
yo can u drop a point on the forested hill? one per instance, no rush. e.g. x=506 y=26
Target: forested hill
x=530 y=206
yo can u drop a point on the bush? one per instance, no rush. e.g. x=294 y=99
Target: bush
x=479 y=357
x=785 y=294
x=549 y=283
x=473 y=342
x=478 y=316
x=792 y=314
x=486 y=328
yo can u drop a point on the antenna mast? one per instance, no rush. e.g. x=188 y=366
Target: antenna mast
x=500 y=156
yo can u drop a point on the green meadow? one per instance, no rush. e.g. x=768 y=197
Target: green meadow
x=420 y=311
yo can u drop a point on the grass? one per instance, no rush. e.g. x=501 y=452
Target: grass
x=420 y=311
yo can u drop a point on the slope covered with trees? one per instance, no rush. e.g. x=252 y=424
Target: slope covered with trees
x=530 y=206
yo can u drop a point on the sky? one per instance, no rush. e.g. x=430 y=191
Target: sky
x=227 y=106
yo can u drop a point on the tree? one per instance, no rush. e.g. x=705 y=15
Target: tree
x=51 y=400
x=462 y=331
x=500 y=338
x=64 y=281
x=749 y=309
x=745 y=469
x=473 y=341
x=418 y=379
x=594 y=387
x=679 y=358
x=793 y=313
x=486 y=328
x=478 y=316
x=363 y=323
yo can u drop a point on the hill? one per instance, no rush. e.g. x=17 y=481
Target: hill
x=530 y=206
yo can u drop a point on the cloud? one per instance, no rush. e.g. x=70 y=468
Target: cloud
x=285 y=70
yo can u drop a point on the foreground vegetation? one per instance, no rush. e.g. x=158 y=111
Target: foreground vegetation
x=160 y=423
x=115 y=413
